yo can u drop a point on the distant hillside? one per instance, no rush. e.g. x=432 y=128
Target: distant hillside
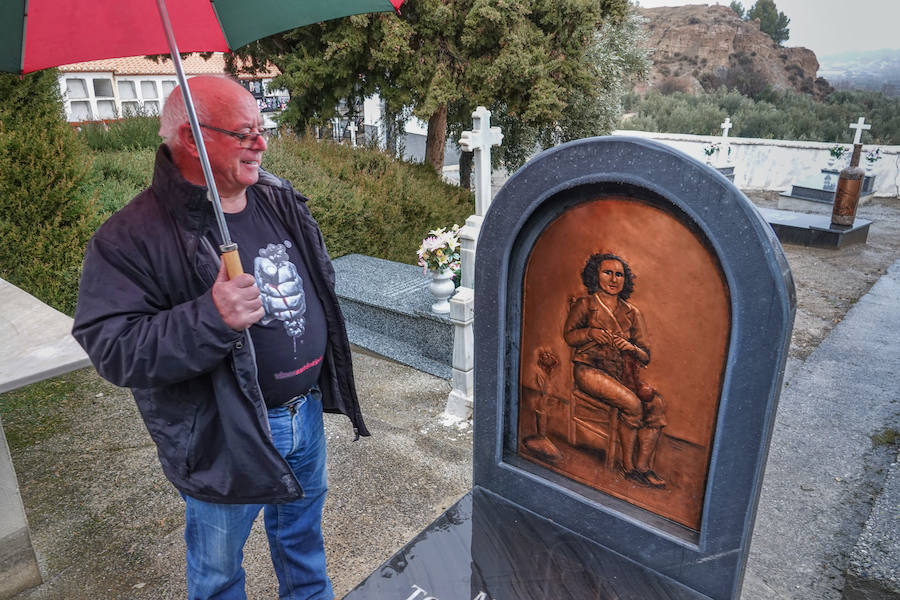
x=877 y=70
x=700 y=47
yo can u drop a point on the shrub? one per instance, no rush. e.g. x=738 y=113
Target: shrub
x=46 y=215
x=775 y=115
x=671 y=85
x=116 y=177
x=365 y=201
x=132 y=132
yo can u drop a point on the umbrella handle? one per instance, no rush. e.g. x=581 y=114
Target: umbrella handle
x=232 y=260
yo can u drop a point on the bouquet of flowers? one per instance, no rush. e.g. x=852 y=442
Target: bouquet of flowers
x=711 y=148
x=837 y=151
x=440 y=250
x=873 y=156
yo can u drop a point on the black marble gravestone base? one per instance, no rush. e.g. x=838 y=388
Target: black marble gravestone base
x=816 y=193
x=814 y=230
x=487 y=548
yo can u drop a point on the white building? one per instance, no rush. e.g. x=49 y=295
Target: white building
x=110 y=89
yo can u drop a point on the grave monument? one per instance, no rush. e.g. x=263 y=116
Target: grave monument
x=395 y=319
x=726 y=161
x=816 y=193
x=632 y=319
x=352 y=128
x=479 y=140
x=387 y=310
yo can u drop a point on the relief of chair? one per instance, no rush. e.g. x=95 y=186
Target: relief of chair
x=596 y=417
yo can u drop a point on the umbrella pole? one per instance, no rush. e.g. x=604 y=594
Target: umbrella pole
x=228 y=248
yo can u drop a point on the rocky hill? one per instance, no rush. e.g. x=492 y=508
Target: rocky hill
x=700 y=47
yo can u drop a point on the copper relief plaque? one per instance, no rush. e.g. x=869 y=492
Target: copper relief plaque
x=625 y=327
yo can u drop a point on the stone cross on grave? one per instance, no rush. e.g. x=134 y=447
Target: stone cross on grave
x=726 y=147
x=479 y=141
x=353 y=129
x=859 y=126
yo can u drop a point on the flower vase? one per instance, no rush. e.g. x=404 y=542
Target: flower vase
x=441 y=287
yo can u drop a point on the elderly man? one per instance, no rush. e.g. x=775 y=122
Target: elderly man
x=230 y=376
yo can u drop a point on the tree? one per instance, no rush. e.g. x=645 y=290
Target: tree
x=771 y=21
x=738 y=8
x=45 y=215
x=618 y=58
x=532 y=60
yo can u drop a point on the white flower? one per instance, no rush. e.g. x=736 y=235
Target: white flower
x=439 y=250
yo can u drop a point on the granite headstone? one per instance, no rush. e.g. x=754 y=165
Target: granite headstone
x=632 y=317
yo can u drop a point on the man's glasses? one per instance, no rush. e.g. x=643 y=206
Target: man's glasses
x=247 y=140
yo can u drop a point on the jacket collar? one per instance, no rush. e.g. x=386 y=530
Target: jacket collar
x=172 y=189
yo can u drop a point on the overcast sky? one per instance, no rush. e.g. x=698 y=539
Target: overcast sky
x=829 y=26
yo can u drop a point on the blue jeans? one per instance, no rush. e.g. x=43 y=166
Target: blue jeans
x=215 y=533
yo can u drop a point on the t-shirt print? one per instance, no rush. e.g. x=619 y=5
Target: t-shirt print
x=281 y=290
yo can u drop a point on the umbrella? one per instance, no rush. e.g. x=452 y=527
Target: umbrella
x=38 y=34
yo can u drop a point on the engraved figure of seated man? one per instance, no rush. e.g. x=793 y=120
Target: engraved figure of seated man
x=610 y=341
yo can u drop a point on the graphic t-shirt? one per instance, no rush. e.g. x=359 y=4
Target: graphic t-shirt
x=290 y=338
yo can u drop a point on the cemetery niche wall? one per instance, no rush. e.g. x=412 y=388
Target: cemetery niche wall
x=632 y=318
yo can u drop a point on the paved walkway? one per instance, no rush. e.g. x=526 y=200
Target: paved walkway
x=823 y=469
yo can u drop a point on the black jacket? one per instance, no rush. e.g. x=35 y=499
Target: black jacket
x=146 y=318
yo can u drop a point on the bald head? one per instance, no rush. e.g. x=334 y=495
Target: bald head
x=212 y=96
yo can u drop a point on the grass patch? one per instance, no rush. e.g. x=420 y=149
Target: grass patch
x=118 y=176
x=36 y=412
x=39 y=411
x=886 y=437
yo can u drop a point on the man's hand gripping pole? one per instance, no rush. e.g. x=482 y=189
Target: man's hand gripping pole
x=232 y=260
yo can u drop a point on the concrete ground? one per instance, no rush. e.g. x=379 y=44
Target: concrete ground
x=107 y=525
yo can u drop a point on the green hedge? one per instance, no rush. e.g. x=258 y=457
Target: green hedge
x=365 y=201
x=46 y=208
x=132 y=132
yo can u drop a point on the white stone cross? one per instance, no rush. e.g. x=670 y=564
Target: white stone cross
x=859 y=126
x=726 y=127
x=726 y=147
x=353 y=129
x=479 y=141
